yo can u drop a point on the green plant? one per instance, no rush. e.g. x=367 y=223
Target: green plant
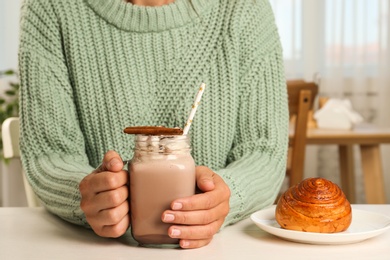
x=9 y=102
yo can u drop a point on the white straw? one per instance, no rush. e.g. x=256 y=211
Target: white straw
x=194 y=108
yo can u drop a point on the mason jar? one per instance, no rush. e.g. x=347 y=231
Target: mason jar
x=161 y=170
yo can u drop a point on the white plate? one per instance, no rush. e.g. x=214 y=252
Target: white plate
x=365 y=225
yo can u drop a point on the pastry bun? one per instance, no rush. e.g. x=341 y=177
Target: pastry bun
x=314 y=205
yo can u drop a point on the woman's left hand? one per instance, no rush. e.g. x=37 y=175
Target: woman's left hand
x=200 y=216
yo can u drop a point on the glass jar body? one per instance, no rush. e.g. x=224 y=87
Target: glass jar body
x=161 y=170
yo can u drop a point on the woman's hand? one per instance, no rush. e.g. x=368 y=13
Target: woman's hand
x=104 y=194
x=199 y=216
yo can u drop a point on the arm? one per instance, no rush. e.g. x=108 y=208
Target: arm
x=257 y=162
x=52 y=144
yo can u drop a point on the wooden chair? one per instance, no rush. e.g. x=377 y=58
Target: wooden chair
x=301 y=95
x=10 y=135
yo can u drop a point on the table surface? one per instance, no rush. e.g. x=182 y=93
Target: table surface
x=33 y=233
x=362 y=134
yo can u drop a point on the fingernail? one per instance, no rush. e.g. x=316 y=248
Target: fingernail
x=185 y=243
x=177 y=206
x=114 y=161
x=169 y=217
x=175 y=232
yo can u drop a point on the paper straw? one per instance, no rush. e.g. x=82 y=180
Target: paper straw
x=194 y=108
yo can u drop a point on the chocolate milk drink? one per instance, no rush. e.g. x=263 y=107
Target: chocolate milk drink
x=162 y=170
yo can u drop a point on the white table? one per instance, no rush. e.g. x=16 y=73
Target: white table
x=33 y=233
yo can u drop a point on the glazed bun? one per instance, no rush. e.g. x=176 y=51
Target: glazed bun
x=314 y=205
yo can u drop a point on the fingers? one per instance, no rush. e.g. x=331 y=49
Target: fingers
x=194 y=236
x=207 y=200
x=116 y=230
x=104 y=181
x=107 y=211
x=104 y=197
x=92 y=202
x=188 y=244
x=116 y=220
x=205 y=178
x=112 y=198
x=111 y=162
x=193 y=232
x=197 y=217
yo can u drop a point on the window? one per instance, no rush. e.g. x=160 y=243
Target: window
x=347 y=36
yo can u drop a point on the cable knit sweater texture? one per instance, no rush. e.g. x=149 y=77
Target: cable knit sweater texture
x=90 y=68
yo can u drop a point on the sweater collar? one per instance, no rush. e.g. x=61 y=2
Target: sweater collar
x=136 y=18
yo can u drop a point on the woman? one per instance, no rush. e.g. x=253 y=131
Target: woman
x=89 y=68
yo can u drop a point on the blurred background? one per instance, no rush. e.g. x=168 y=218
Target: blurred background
x=346 y=44
x=342 y=44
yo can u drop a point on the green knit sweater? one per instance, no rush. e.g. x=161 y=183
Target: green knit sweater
x=90 y=68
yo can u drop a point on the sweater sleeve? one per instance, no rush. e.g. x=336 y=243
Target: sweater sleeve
x=52 y=145
x=257 y=163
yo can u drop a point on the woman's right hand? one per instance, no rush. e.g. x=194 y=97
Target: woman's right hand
x=104 y=197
